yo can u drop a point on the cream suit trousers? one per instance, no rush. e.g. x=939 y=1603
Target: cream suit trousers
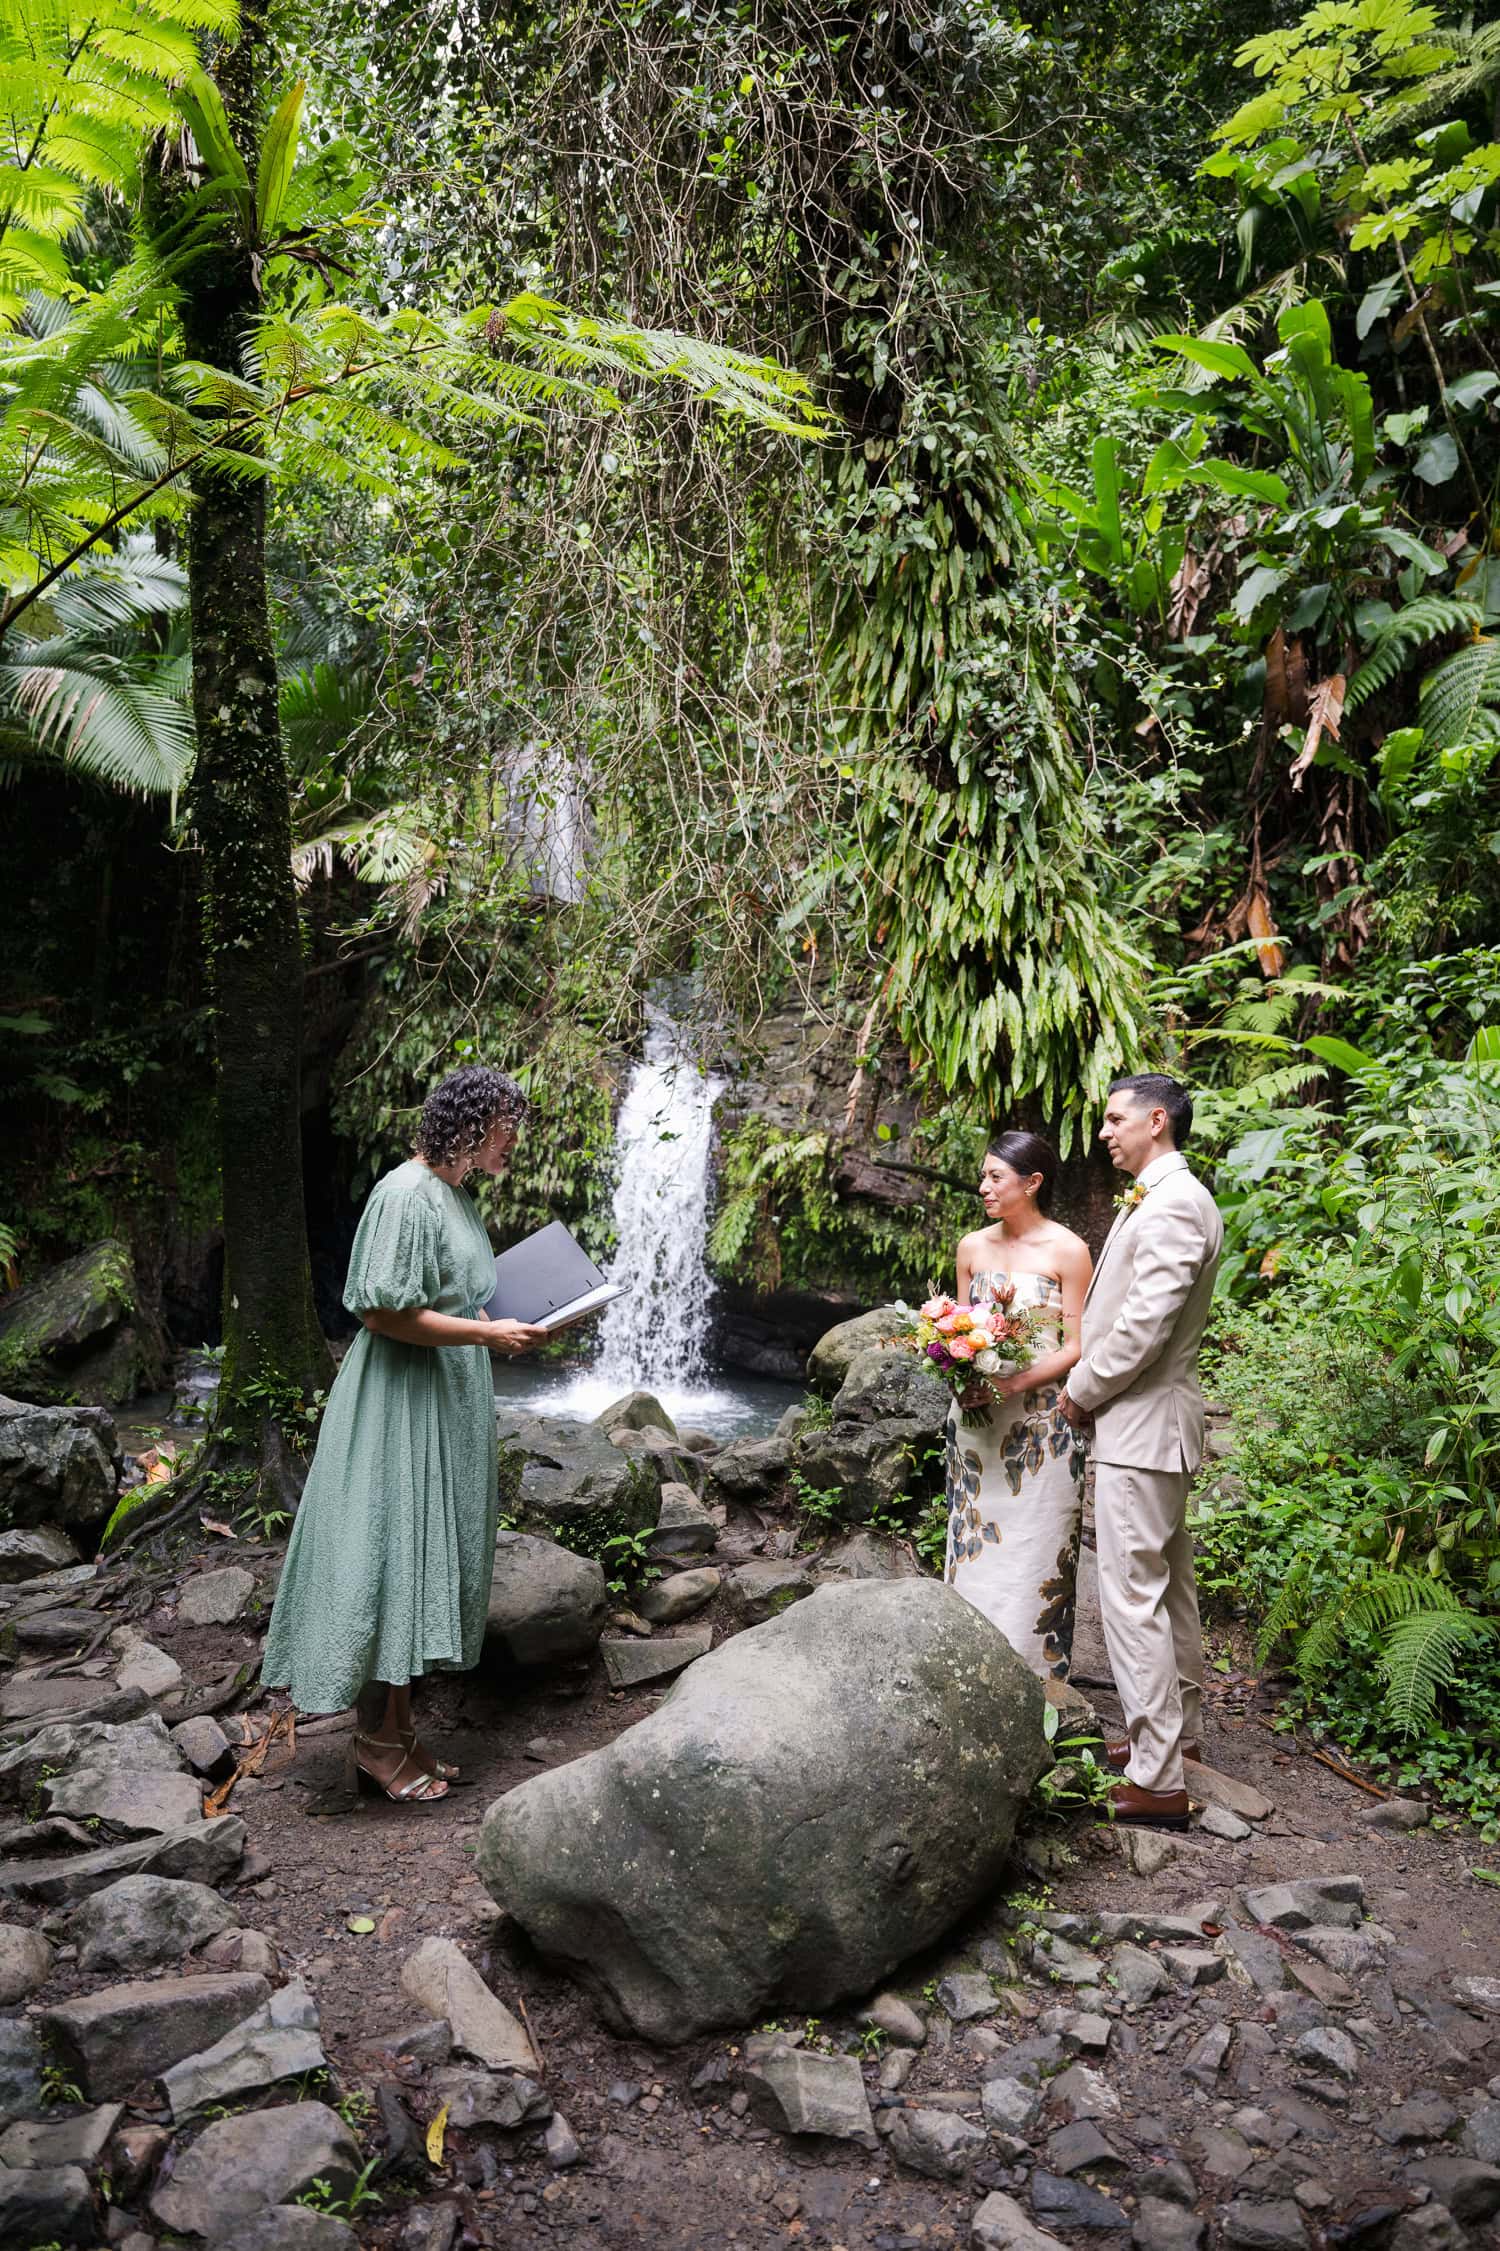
x=1150 y=1620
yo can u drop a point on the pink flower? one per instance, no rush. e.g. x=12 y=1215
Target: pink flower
x=947 y=1323
x=962 y=1348
x=936 y=1307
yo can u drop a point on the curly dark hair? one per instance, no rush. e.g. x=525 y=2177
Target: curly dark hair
x=460 y=1112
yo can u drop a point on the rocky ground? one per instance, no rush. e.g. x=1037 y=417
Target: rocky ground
x=224 y=1987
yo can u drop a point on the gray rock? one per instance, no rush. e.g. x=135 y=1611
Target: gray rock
x=871 y=1462
x=662 y=1459
x=1425 y=2116
x=20 y=2068
x=684 y=1526
x=67 y=2136
x=635 y=1664
x=205 y=1746
x=843 y=1780
x=1192 y=1965
x=1206 y=1786
x=41 y=2205
x=288 y=2227
x=1081 y=2092
x=545 y=1603
x=444 y=1982
x=863 y=1555
x=1208 y=2055
x=125 y=2033
x=1257 y=1955
x=1172 y=2182
x=508 y=2100
x=1218 y=1821
x=142 y=1665
x=748 y=1469
x=1431 y=2227
x=638 y=1410
x=239 y=2165
x=560 y=2145
x=203 y=1853
x=1351 y=1953
x=558 y=1475
x=426 y=2043
x=937 y=2143
x=1030 y=2059
x=999 y=2224
x=431 y=2227
x=836 y=1350
x=1329 y=1902
x=1482 y=1994
x=216 y=1598
x=894 y=2018
x=966 y=1995
x=1138 y=1977
x=1396 y=1813
x=1221 y=2151
x=279 y=2041
x=1067 y=2203
x=1011 y=2105
x=1081 y=2148
x=801 y=2093
x=1063 y=1962
x=1326 y=2047
x=59 y=1466
x=686 y=1592
x=1162 y=2226
x=140 y=1746
x=764 y=1588
x=33 y=1550
x=1145 y=1852
x=1481 y=2135
x=1470 y=2190
x=896 y=2069
x=1170 y=1930
x=1085 y=2032
x=125 y=1804
x=1276 y=2225
x=25 y=1963
x=143 y=1923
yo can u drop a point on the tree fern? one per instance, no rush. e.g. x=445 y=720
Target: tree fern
x=1431 y=617
x=1459 y=702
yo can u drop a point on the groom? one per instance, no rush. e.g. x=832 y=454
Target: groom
x=1137 y=1377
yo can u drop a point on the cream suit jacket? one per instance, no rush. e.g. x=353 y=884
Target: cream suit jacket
x=1143 y=1321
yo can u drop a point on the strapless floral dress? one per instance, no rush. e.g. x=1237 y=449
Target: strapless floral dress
x=1015 y=1498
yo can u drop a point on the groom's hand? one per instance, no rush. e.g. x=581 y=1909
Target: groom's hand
x=1072 y=1412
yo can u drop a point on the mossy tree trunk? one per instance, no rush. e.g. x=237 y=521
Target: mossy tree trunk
x=275 y=1353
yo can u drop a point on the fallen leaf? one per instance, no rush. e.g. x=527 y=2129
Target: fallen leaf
x=435 y=2134
x=1485 y=1875
x=361 y=1925
x=212 y=1524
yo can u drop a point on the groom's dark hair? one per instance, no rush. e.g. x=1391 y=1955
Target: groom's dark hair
x=1153 y=1090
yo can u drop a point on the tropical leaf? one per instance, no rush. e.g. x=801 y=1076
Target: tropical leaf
x=1431 y=617
x=1459 y=702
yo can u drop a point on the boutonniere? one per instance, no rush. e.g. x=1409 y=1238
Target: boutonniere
x=1135 y=1194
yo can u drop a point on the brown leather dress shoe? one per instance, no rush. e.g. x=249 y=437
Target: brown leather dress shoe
x=1118 y=1754
x=1149 y=1809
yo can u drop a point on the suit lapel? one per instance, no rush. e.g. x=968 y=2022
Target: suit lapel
x=1109 y=1241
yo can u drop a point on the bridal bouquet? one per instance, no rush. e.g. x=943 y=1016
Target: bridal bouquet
x=964 y=1344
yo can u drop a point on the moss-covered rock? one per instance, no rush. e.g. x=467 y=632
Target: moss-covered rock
x=70 y=1335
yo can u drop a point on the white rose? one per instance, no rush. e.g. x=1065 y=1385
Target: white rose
x=988 y=1361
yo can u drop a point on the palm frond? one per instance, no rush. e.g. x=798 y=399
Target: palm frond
x=114 y=730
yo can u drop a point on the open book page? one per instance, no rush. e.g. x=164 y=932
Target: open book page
x=579 y=1308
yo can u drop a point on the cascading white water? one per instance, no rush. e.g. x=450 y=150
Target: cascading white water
x=652 y=1338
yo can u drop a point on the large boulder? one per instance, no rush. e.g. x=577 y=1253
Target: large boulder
x=30 y=1554
x=70 y=1334
x=638 y=1410
x=829 y=1360
x=816 y=1801
x=566 y=1479
x=59 y=1466
x=545 y=1602
x=749 y=1469
x=885 y=1437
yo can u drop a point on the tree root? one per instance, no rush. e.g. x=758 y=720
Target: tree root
x=277 y=1476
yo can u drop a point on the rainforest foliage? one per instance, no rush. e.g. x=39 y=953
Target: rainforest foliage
x=998 y=556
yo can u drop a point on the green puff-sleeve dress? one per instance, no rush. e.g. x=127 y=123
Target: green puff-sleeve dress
x=388 y=1570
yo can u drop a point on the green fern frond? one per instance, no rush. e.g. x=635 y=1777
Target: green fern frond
x=1384 y=1598
x=1422 y=1657
x=1459 y=702
x=1286 y=1611
x=1431 y=617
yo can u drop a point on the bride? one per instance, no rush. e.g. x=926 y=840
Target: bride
x=1015 y=1476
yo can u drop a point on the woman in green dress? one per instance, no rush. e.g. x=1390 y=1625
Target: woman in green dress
x=388 y=1571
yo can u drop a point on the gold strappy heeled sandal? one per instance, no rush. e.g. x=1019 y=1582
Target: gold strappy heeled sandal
x=421 y=1786
x=439 y=1767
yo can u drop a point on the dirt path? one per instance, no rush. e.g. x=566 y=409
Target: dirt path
x=670 y=2162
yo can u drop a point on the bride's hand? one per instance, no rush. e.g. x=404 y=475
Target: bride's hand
x=512 y=1337
x=980 y=1393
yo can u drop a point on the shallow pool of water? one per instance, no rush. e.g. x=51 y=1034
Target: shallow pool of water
x=725 y=1403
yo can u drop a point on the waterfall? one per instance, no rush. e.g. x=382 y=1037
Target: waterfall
x=653 y=1337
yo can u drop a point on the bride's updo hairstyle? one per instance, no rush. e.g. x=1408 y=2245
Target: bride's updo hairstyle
x=1027 y=1153
x=460 y=1112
